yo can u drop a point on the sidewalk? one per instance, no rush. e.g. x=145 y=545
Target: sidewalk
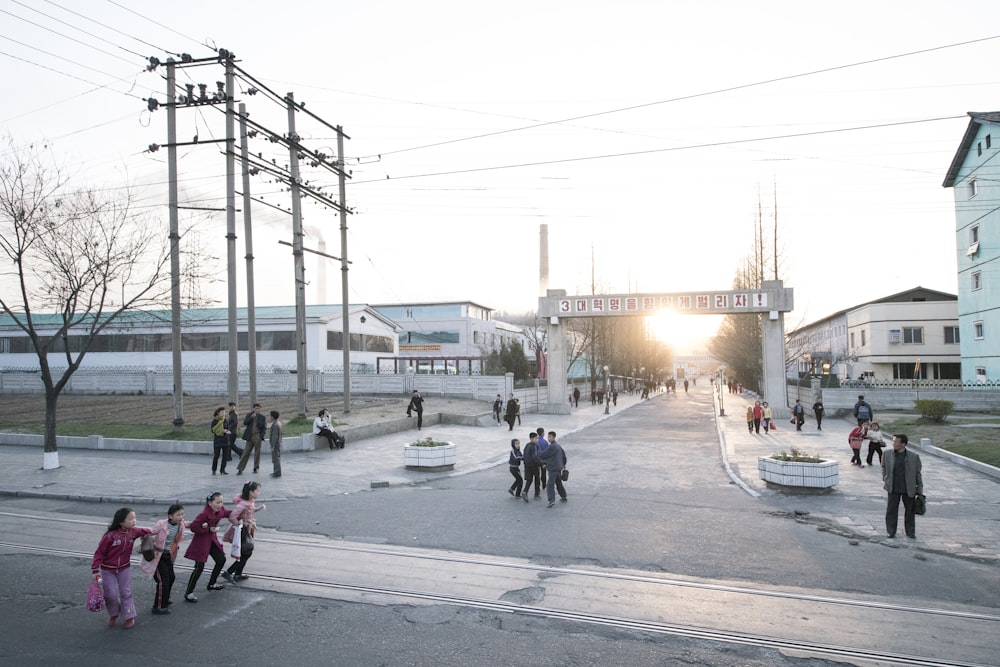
x=962 y=505
x=961 y=519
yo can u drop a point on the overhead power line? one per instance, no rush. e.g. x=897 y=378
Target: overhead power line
x=692 y=96
x=70 y=25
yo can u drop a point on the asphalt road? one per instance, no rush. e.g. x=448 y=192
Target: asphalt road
x=662 y=504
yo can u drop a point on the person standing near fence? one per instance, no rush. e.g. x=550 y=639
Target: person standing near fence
x=274 y=439
x=256 y=427
x=416 y=405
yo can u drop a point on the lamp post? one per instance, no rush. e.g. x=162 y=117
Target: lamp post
x=607 y=392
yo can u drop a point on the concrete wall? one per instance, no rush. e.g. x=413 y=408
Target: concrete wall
x=838 y=402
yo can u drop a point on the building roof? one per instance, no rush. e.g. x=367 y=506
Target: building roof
x=976 y=119
x=906 y=296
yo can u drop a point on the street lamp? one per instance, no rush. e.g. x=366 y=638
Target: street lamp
x=607 y=392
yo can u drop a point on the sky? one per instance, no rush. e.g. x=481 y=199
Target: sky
x=647 y=135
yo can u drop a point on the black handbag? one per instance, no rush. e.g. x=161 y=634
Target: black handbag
x=565 y=474
x=246 y=542
x=920 y=504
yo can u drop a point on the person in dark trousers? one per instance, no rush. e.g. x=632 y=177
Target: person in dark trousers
x=875 y=442
x=220 y=441
x=515 y=468
x=554 y=460
x=902 y=479
x=862 y=411
x=275 y=442
x=233 y=426
x=510 y=416
x=542 y=445
x=416 y=405
x=498 y=409
x=799 y=415
x=532 y=468
x=576 y=397
x=256 y=427
x=818 y=412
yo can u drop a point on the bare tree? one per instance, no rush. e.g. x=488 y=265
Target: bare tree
x=80 y=259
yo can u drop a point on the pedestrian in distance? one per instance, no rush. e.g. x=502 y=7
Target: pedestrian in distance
x=758 y=416
x=576 y=397
x=856 y=439
x=167 y=536
x=416 y=405
x=220 y=441
x=206 y=543
x=818 y=413
x=112 y=563
x=514 y=462
x=902 y=479
x=543 y=444
x=554 y=460
x=875 y=442
x=242 y=522
x=766 y=421
x=863 y=411
x=798 y=415
x=750 y=418
x=233 y=426
x=274 y=439
x=510 y=415
x=498 y=408
x=256 y=428
x=532 y=467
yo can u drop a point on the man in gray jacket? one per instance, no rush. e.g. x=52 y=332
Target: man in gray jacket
x=554 y=460
x=901 y=474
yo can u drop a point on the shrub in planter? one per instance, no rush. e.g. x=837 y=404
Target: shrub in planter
x=934 y=409
x=428 y=442
x=797 y=456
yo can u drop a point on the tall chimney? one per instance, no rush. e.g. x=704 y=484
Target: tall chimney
x=543 y=259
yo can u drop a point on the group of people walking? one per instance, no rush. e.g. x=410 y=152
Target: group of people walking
x=225 y=427
x=111 y=565
x=544 y=462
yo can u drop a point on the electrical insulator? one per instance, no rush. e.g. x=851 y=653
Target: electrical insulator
x=203 y=92
x=152 y=104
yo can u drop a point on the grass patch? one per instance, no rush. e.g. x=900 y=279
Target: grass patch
x=975 y=442
x=189 y=431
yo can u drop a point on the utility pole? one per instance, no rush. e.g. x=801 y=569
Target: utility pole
x=344 y=298
x=175 y=248
x=300 y=278
x=234 y=379
x=248 y=233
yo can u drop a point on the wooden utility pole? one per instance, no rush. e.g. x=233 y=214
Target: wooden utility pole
x=175 y=248
x=300 y=276
x=234 y=378
x=248 y=234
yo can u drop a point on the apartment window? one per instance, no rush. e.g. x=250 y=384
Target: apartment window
x=913 y=335
x=951 y=335
x=973 y=188
x=980 y=375
x=852 y=339
x=977 y=330
x=974 y=234
x=979 y=148
x=988 y=141
x=863 y=342
x=977 y=280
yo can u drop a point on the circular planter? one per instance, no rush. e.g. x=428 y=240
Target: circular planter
x=440 y=457
x=822 y=475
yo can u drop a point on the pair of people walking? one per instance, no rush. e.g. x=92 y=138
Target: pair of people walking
x=544 y=463
x=256 y=429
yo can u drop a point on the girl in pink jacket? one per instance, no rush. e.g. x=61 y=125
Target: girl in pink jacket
x=167 y=536
x=112 y=565
x=242 y=514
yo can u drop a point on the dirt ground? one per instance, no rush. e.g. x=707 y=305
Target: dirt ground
x=25 y=409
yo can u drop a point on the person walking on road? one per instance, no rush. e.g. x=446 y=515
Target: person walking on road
x=242 y=520
x=233 y=426
x=798 y=415
x=576 y=397
x=902 y=478
x=205 y=543
x=220 y=441
x=498 y=409
x=818 y=413
x=515 y=468
x=543 y=444
x=167 y=536
x=758 y=415
x=554 y=460
x=275 y=442
x=253 y=434
x=532 y=467
x=416 y=405
x=766 y=421
x=510 y=416
x=875 y=442
x=750 y=418
x=862 y=411
x=855 y=439
x=112 y=566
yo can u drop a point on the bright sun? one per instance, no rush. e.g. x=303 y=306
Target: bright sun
x=683 y=332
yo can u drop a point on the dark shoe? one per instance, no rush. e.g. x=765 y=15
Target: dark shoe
x=275 y=474
x=228 y=577
x=157 y=611
x=892 y=535
x=552 y=503
x=563 y=499
x=213 y=472
x=255 y=470
x=190 y=597
x=241 y=577
x=223 y=472
x=215 y=587
x=912 y=537
x=239 y=472
x=168 y=603
x=511 y=492
x=524 y=496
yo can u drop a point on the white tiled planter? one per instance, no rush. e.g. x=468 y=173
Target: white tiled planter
x=821 y=475
x=433 y=458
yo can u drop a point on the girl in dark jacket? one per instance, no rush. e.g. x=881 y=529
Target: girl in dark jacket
x=515 y=468
x=206 y=543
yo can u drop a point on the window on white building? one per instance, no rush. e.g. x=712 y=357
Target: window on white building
x=977 y=280
x=863 y=341
x=973 y=188
x=913 y=335
x=977 y=330
x=951 y=335
x=980 y=375
x=852 y=339
x=974 y=234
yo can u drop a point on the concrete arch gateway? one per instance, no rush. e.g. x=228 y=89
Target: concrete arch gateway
x=772 y=299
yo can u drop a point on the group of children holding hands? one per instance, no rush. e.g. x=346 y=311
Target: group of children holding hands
x=113 y=558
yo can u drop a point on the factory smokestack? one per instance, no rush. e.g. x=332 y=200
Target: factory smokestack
x=543 y=259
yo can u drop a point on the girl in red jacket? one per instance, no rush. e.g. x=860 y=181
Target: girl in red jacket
x=206 y=543
x=112 y=565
